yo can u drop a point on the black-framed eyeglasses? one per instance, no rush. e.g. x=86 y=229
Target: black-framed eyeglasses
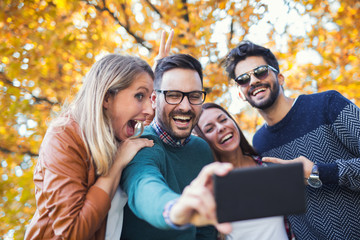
x=260 y=72
x=175 y=97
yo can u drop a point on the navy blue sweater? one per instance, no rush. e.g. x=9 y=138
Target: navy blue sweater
x=325 y=128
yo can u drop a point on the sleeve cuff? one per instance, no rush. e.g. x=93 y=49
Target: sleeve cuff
x=328 y=173
x=166 y=215
x=99 y=199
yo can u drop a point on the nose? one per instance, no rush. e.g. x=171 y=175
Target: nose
x=253 y=79
x=220 y=127
x=185 y=104
x=147 y=109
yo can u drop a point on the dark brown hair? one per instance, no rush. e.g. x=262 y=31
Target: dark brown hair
x=246 y=148
x=247 y=49
x=183 y=61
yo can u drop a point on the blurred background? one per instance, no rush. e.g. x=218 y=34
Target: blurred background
x=47 y=46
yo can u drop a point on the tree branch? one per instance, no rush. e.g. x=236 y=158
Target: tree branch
x=138 y=39
x=154 y=8
x=123 y=8
x=186 y=15
x=7 y=81
x=231 y=31
x=7 y=151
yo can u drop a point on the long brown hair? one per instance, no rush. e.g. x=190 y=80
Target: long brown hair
x=246 y=148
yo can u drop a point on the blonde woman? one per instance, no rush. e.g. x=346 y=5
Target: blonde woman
x=86 y=148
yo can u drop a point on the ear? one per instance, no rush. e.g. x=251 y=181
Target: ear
x=241 y=94
x=107 y=100
x=153 y=99
x=281 y=79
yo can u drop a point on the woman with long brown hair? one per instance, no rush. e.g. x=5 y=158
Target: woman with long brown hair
x=229 y=144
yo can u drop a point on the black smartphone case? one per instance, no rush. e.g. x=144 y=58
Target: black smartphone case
x=256 y=192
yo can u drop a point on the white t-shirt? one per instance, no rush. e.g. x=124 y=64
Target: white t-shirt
x=115 y=215
x=270 y=228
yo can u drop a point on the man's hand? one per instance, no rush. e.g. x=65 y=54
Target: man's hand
x=307 y=164
x=196 y=204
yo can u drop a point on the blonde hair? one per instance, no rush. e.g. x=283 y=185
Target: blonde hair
x=110 y=74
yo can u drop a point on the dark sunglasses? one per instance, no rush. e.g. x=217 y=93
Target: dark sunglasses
x=260 y=73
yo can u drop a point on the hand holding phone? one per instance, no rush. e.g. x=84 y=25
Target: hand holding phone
x=256 y=192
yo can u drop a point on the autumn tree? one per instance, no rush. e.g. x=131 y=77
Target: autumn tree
x=47 y=46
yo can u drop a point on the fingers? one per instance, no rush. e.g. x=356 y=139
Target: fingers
x=168 y=42
x=274 y=160
x=196 y=206
x=162 y=44
x=136 y=143
x=203 y=204
x=307 y=164
x=301 y=159
x=129 y=148
x=206 y=173
x=144 y=142
x=165 y=47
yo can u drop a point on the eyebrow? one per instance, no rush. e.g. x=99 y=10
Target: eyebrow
x=141 y=87
x=218 y=117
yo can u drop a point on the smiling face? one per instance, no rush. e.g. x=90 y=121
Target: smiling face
x=259 y=93
x=130 y=105
x=178 y=120
x=220 y=130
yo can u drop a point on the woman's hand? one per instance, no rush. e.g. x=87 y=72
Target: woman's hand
x=307 y=164
x=125 y=153
x=165 y=48
x=128 y=149
x=196 y=204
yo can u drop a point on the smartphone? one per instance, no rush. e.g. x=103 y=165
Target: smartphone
x=256 y=192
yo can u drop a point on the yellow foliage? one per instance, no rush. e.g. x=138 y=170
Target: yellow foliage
x=222 y=5
x=5 y=60
x=3 y=130
x=59 y=40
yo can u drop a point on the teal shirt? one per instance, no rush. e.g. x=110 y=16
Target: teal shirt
x=155 y=176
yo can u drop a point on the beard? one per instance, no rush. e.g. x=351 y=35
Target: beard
x=167 y=123
x=266 y=103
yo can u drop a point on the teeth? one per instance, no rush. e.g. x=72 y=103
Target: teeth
x=258 y=90
x=183 y=118
x=227 y=137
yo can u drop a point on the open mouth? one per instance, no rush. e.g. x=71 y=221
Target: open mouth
x=257 y=91
x=182 y=120
x=226 y=138
x=131 y=127
x=132 y=123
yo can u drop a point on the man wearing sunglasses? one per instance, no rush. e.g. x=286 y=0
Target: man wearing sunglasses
x=156 y=178
x=321 y=130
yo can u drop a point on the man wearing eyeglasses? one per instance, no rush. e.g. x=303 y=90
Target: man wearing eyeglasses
x=156 y=178
x=320 y=130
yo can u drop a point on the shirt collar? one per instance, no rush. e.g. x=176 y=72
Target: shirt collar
x=166 y=138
